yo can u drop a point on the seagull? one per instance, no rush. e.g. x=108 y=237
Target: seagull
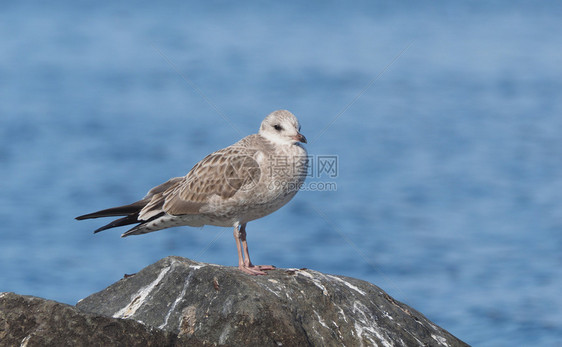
x=229 y=188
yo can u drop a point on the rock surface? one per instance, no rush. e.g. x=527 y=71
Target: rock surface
x=30 y=321
x=287 y=307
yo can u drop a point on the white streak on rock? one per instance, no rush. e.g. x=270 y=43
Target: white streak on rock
x=409 y=333
x=138 y=299
x=349 y=285
x=440 y=339
x=320 y=320
x=266 y=287
x=342 y=314
x=371 y=330
x=366 y=326
x=433 y=326
x=177 y=301
x=227 y=308
x=224 y=335
x=315 y=280
x=386 y=315
x=25 y=341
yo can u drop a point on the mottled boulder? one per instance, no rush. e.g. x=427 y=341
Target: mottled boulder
x=287 y=307
x=30 y=321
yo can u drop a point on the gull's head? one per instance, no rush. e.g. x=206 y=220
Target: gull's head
x=281 y=127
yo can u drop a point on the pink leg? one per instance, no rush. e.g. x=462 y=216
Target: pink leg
x=244 y=262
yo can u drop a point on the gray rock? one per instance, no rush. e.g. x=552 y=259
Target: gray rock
x=30 y=321
x=287 y=307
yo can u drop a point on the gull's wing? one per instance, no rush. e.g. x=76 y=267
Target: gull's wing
x=222 y=173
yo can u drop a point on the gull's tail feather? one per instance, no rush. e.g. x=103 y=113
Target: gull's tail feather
x=131 y=216
x=130 y=219
x=125 y=210
x=131 y=213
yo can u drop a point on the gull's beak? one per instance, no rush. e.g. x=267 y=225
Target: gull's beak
x=300 y=138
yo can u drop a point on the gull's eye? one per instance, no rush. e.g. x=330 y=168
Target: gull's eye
x=278 y=127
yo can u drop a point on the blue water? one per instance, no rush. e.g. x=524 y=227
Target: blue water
x=449 y=164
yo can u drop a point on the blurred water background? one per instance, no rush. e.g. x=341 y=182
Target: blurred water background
x=449 y=163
